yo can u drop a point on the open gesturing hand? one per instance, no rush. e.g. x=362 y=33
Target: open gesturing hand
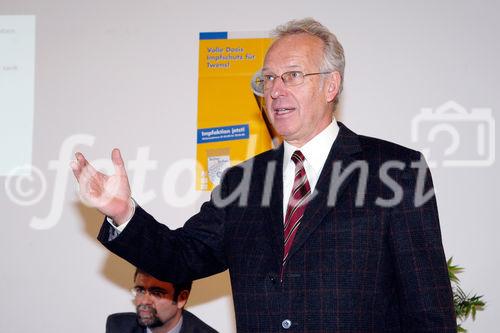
x=109 y=194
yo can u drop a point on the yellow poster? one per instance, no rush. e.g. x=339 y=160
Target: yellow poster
x=232 y=126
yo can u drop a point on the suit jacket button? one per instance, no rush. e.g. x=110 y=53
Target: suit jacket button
x=286 y=324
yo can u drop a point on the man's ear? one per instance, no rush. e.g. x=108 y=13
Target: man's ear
x=182 y=298
x=333 y=86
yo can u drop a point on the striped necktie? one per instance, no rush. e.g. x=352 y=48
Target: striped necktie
x=296 y=204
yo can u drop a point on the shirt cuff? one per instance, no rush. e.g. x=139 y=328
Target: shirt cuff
x=121 y=227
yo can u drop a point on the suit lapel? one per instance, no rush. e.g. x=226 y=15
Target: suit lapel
x=275 y=209
x=342 y=151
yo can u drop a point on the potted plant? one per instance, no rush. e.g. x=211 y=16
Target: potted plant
x=465 y=304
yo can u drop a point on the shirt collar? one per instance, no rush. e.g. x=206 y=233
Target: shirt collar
x=316 y=150
x=176 y=329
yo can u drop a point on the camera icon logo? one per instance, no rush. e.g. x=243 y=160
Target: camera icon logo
x=451 y=136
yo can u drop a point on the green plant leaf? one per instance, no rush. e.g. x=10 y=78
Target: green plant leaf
x=465 y=305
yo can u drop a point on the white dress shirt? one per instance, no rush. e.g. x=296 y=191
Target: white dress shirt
x=315 y=152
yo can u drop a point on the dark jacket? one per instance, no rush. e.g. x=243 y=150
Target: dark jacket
x=126 y=322
x=353 y=267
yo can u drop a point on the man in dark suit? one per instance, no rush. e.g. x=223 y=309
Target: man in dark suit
x=331 y=232
x=160 y=309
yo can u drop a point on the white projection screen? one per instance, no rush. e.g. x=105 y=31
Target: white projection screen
x=17 y=69
x=93 y=75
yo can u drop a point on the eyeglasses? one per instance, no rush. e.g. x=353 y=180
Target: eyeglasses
x=290 y=79
x=156 y=293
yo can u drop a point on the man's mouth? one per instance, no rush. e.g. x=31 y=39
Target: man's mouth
x=146 y=311
x=283 y=111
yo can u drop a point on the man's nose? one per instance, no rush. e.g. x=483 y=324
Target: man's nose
x=144 y=299
x=278 y=88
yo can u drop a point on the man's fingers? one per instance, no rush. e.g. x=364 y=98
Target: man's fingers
x=75 y=167
x=85 y=165
x=78 y=165
x=80 y=159
x=87 y=176
x=116 y=157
